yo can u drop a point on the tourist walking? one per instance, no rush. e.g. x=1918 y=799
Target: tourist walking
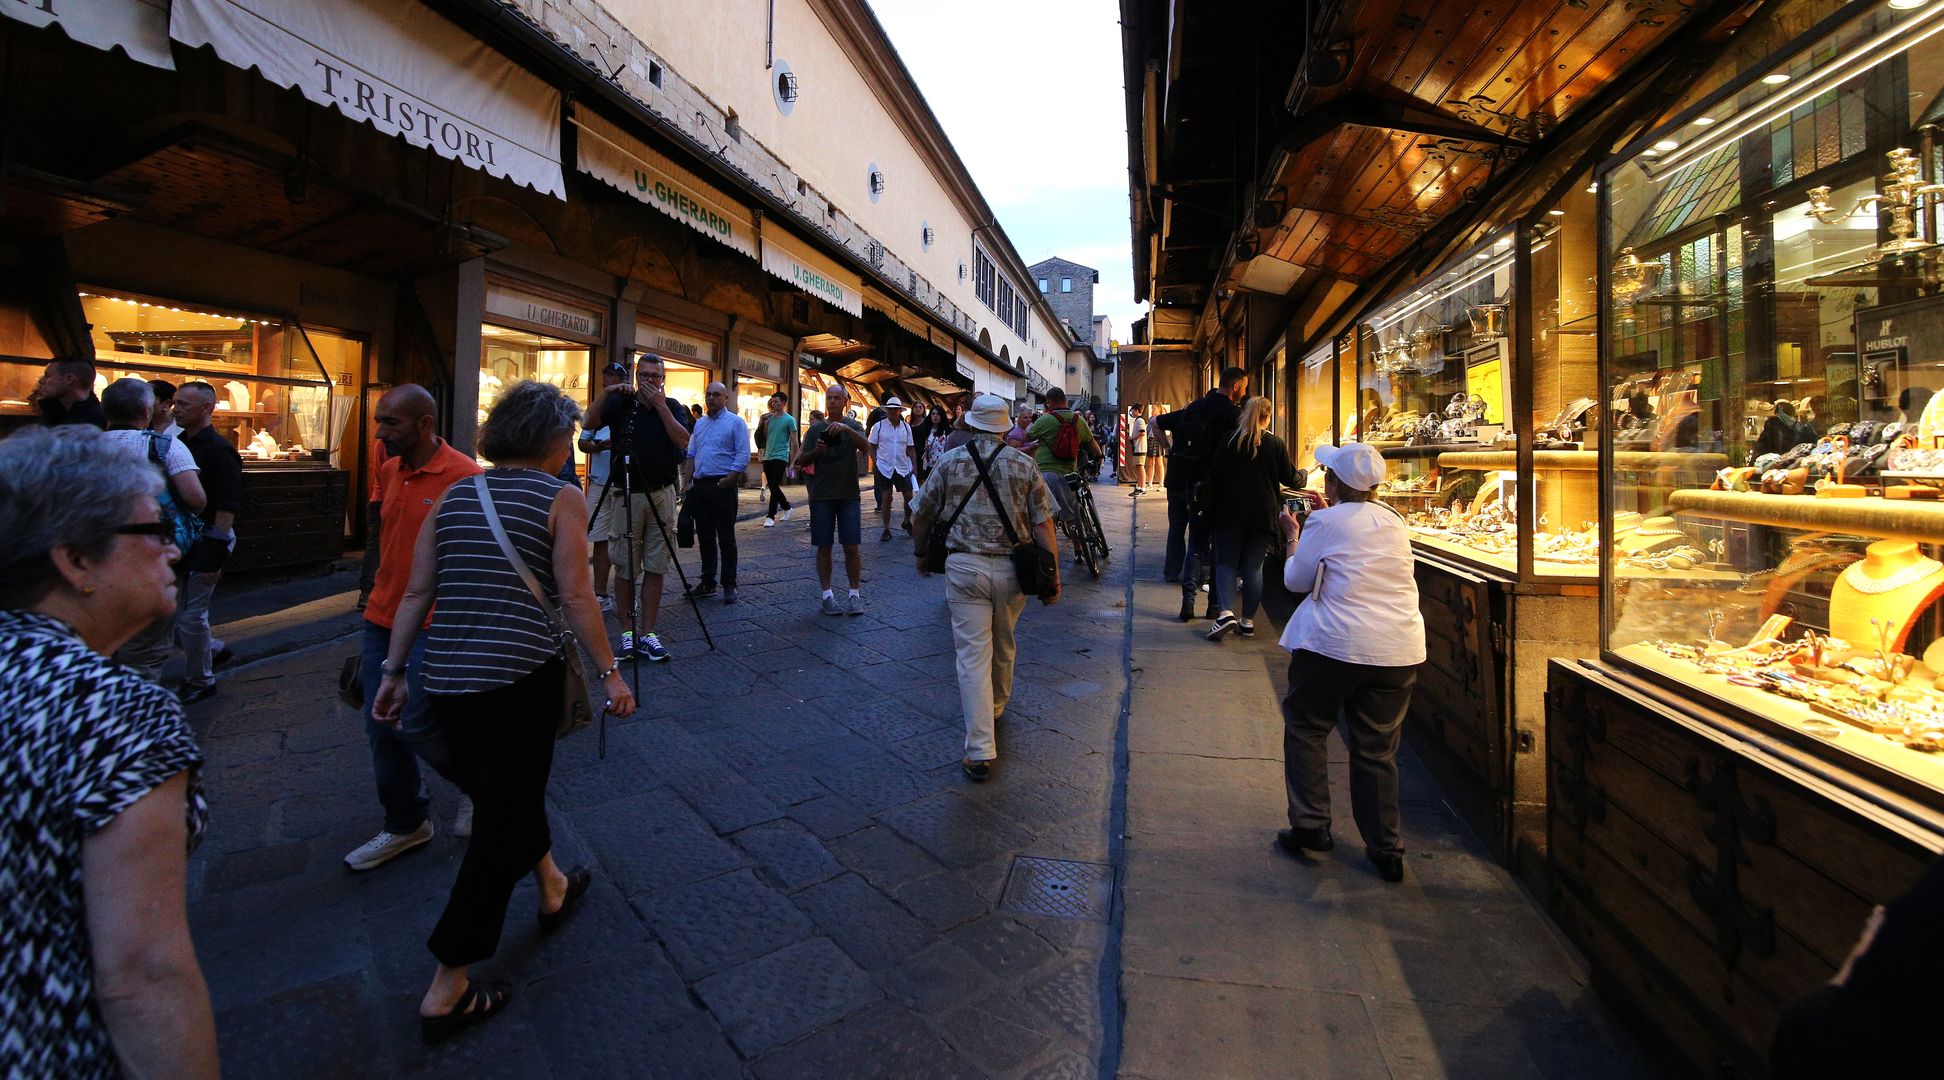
x=221 y=472
x=127 y=405
x=891 y=463
x=66 y=394
x=1058 y=438
x=1137 y=450
x=830 y=452
x=778 y=442
x=1241 y=497
x=494 y=671
x=719 y=447
x=981 y=583
x=659 y=429
x=98 y=976
x=421 y=467
x=928 y=440
x=1192 y=435
x=1355 y=645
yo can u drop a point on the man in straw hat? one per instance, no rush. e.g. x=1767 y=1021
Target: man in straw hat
x=891 y=448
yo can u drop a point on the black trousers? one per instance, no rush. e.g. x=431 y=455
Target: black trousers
x=715 y=529
x=502 y=741
x=773 y=476
x=1370 y=703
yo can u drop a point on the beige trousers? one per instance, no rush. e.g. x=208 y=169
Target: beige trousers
x=983 y=594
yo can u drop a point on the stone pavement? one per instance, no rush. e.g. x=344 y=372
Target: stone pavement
x=1240 y=961
x=792 y=877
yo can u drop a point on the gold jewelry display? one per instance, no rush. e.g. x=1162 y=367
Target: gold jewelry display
x=1884 y=592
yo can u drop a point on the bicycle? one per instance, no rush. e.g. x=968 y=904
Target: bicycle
x=1082 y=527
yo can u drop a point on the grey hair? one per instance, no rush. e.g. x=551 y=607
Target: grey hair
x=526 y=421
x=127 y=401
x=69 y=486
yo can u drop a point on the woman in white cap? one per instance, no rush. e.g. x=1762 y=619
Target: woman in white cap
x=1355 y=645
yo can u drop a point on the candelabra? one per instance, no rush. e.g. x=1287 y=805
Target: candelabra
x=1904 y=193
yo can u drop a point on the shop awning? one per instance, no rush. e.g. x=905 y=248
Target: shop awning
x=623 y=162
x=139 y=28
x=798 y=263
x=399 y=67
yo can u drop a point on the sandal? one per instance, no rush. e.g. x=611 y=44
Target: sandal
x=578 y=879
x=480 y=1002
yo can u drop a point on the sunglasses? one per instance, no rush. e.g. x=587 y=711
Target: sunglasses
x=161 y=529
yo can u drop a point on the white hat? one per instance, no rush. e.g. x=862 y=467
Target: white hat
x=892 y=402
x=1357 y=466
x=988 y=413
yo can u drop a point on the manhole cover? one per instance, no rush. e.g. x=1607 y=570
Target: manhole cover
x=1059 y=889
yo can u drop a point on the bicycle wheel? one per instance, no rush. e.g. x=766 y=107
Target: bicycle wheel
x=1093 y=522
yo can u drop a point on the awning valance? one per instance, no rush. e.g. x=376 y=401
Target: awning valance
x=398 y=66
x=139 y=28
x=623 y=162
x=798 y=263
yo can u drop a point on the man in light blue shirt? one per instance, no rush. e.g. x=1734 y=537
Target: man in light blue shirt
x=719 y=450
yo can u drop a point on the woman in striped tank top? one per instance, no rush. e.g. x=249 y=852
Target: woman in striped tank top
x=495 y=675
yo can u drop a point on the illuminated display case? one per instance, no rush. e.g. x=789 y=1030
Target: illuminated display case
x=1773 y=356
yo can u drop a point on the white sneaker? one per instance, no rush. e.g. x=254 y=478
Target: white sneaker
x=769 y=523
x=788 y=511
x=387 y=846
x=462 y=818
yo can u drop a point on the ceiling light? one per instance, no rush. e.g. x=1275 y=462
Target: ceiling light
x=1557 y=213
x=1776 y=79
x=1703 y=121
x=1593 y=188
x=1667 y=144
x=1650 y=152
x=1907 y=5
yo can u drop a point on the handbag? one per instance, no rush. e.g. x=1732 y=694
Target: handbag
x=575 y=712
x=1038 y=569
x=935 y=549
x=188 y=526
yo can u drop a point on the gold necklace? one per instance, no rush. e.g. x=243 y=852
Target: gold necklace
x=1909 y=575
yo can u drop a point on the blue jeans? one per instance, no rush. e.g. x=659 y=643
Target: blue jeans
x=395 y=752
x=1238 y=552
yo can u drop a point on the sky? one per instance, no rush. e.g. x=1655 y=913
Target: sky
x=1029 y=92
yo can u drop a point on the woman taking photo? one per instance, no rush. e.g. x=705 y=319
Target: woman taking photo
x=100 y=978
x=495 y=675
x=1241 y=496
x=1355 y=645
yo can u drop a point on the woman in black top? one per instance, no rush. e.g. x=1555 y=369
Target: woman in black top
x=1241 y=496
x=98 y=977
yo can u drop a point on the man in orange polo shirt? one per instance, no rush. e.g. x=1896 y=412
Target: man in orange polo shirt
x=421 y=468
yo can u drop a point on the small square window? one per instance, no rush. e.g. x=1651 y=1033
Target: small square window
x=1066 y=284
x=654 y=73
x=1042 y=284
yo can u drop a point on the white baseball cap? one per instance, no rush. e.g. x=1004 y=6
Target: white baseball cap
x=1356 y=465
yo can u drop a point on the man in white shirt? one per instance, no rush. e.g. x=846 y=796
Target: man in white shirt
x=126 y=405
x=1355 y=645
x=890 y=440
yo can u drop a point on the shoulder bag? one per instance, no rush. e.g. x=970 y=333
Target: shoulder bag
x=188 y=525
x=1038 y=568
x=575 y=712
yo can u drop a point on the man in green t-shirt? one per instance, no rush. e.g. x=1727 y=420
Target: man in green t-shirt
x=832 y=448
x=1057 y=451
x=777 y=442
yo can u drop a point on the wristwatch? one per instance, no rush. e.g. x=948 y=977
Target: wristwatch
x=385 y=668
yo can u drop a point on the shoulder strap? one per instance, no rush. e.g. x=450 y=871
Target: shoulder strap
x=513 y=555
x=946 y=528
x=1012 y=535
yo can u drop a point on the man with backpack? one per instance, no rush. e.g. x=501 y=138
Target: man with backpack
x=126 y=405
x=1191 y=435
x=1056 y=439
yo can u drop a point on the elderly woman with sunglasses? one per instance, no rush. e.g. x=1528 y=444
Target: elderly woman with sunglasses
x=97 y=973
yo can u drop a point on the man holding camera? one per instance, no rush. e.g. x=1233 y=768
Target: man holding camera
x=652 y=433
x=831 y=448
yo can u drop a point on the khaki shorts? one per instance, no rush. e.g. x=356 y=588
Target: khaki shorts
x=649 y=553
x=608 y=522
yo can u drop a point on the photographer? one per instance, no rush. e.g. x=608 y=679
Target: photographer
x=1355 y=644
x=652 y=431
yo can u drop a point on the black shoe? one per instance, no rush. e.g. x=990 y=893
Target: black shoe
x=1187 y=609
x=1389 y=864
x=577 y=881
x=977 y=770
x=729 y=594
x=885 y=537
x=1212 y=611
x=189 y=693
x=1297 y=841
x=222 y=656
x=702 y=590
x=1222 y=626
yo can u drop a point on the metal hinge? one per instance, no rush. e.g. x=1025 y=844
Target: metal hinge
x=1498 y=637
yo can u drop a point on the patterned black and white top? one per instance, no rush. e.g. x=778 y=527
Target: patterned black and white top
x=81 y=738
x=487 y=630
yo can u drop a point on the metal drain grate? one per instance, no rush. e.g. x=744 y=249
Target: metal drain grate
x=1059 y=889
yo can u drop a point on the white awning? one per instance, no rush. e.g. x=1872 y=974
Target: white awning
x=139 y=28
x=799 y=264
x=629 y=166
x=398 y=66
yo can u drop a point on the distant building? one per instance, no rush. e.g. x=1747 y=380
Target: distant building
x=1068 y=289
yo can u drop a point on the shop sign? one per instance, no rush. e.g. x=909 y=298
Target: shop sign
x=544 y=311
x=398 y=66
x=966 y=366
x=795 y=262
x=810 y=362
x=670 y=345
x=624 y=163
x=139 y=28
x=752 y=363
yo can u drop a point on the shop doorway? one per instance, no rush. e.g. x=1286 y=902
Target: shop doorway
x=509 y=355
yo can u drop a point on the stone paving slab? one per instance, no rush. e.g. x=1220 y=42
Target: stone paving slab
x=792 y=877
